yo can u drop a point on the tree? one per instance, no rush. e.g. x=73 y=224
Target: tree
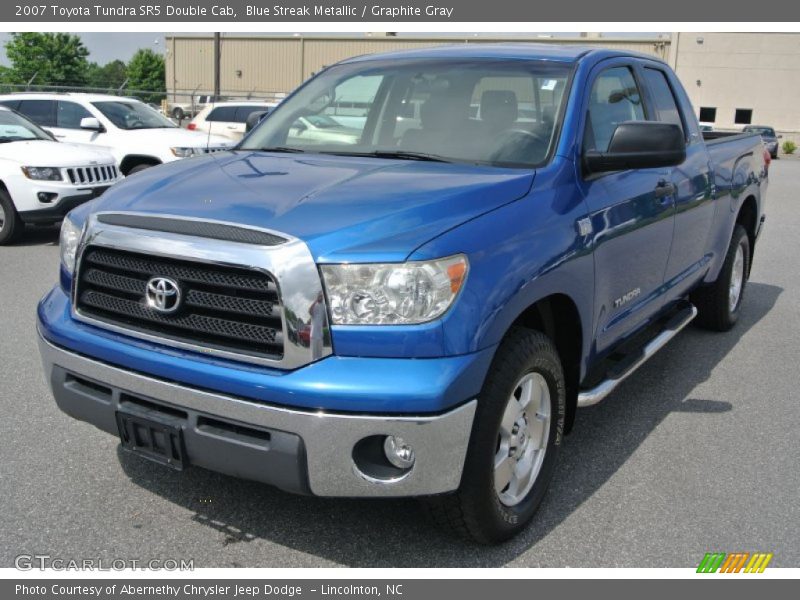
x=55 y=59
x=146 y=72
x=110 y=75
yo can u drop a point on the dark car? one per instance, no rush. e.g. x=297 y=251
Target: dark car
x=767 y=136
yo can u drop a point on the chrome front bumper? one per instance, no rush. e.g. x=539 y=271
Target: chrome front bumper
x=440 y=442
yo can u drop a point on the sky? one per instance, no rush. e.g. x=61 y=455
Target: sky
x=105 y=47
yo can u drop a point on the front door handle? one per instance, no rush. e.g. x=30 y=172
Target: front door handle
x=664 y=189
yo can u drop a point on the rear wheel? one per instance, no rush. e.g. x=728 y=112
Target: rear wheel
x=10 y=223
x=178 y=114
x=718 y=304
x=516 y=435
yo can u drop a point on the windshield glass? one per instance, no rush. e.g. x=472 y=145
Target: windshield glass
x=764 y=131
x=495 y=112
x=130 y=114
x=14 y=128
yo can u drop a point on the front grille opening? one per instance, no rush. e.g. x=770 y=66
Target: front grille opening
x=225 y=308
x=88 y=387
x=232 y=431
x=152 y=406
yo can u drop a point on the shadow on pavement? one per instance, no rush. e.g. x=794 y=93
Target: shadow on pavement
x=394 y=533
x=37 y=236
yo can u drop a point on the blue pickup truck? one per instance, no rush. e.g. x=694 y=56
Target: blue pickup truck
x=416 y=302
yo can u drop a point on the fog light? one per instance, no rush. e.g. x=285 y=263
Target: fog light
x=398 y=452
x=46 y=196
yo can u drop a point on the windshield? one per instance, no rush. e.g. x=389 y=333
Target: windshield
x=495 y=112
x=15 y=128
x=764 y=131
x=130 y=114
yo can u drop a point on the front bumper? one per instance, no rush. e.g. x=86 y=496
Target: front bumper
x=46 y=214
x=306 y=451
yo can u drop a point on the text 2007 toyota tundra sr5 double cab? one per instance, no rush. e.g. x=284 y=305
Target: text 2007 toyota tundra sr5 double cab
x=419 y=313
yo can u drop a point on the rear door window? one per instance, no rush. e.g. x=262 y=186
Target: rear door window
x=222 y=113
x=41 y=112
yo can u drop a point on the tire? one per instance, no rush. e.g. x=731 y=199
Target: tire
x=479 y=510
x=10 y=223
x=178 y=114
x=718 y=305
x=139 y=168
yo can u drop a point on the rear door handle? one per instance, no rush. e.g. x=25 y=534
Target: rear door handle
x=664 y=190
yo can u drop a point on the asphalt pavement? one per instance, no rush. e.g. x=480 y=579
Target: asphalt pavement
x=698 y=451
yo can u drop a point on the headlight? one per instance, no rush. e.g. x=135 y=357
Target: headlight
x=183 y=152
x=70 y=237
x=393 y=294
x=42 y=173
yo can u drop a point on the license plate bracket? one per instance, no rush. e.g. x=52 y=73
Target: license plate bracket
x=157 y=440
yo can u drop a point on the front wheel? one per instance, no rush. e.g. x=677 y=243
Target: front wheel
x=516 y=435
x=718 y=304
x=10 y=223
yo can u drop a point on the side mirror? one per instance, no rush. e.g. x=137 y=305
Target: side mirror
x=91 y=123
x=780 y=137
x=253 y=119
x=639 y=145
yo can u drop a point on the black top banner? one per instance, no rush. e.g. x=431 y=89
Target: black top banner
x=472 y=11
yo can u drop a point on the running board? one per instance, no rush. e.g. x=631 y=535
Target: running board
x=676 y=324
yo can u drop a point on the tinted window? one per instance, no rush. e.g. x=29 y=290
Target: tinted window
x=666 y=109
x=70 y=114
x=222 y=113
x=708 y=114
x=615 y=99
x=41 y=112
x=10 y=103
x=242 y=112
x=743 y=116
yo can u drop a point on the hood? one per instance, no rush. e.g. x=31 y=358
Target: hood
x=175 y=136
x=44 y=153
x=344 y=208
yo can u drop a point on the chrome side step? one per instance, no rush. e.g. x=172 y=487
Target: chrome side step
x=594 y=395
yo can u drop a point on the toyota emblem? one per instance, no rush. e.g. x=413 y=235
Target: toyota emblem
x=163 y=294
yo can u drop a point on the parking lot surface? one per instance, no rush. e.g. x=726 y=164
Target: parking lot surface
x=698 y=451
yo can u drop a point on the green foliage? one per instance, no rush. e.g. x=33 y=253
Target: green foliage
x=54 y=58
x=789 y=147
x=111 y=75
x=146 y=72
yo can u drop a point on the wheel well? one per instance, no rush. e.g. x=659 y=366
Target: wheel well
x=748 y=218
x=134 y=160
x=557 y=317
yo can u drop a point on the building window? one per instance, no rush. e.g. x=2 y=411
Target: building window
x=743 y=116
x=708 y=114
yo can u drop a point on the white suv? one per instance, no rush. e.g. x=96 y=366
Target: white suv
x=41 y=179
x=227 y=119
x=138 y=136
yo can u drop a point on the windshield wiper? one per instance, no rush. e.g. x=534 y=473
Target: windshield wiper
x=286 y=149
x=401 y=154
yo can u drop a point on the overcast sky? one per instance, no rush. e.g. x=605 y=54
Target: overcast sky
x=105 y=47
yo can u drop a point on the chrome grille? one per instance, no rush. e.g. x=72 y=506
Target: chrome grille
x=94 y=175
x=229 y=308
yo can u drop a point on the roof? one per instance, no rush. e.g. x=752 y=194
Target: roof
x=76 y=95
x=567 y=54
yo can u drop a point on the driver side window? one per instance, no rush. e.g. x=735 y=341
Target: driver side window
x=615 y=99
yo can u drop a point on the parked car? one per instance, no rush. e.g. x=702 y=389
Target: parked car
x=768 y=135
x=182 y=110
x=227 y=119
x=41 y=179
x=138 y=136
x=376 y=315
